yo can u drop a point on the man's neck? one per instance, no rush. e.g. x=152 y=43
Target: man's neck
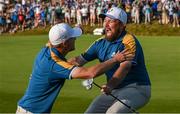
x=62 y=51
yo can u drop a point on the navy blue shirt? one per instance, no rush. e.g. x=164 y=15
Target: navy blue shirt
x=103 y=50
x=48 y=76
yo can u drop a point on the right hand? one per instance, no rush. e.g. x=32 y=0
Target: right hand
x=125 y=55
x=73 y=61
x=106 y=89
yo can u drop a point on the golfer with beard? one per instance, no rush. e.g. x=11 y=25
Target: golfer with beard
x=129 y=80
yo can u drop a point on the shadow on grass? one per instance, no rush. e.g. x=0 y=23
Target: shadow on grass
x=71 y=104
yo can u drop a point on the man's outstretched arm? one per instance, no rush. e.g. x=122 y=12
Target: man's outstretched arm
x=96 y=70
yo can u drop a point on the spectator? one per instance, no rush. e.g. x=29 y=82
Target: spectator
x=84 y=12
x=79 y=15
x=58 y=11
x=49 y=10
x=175 y=16
x=52 y=13
x=37 y=15
x=170 y=12
x=14 y=18
x=154 y=9
x=31 y=13
x=159 y=12
x=165 y=14
x=67 y=14
x=8 y=23
x=128 y=9
x=73 y=14
x=99 y=11
x=136 y=12
x=2 y=5
x=2 y=23
x=21 y=19
x=147 y=11
x=92 y=15
x=43 y=17
x=63 y=12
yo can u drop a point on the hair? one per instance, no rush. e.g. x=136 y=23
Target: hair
x=55 y=46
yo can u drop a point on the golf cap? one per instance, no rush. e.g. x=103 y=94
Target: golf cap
x=116 y=13
x=62 y=32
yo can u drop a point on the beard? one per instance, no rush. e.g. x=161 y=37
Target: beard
x=72 y=49
x=112 y=36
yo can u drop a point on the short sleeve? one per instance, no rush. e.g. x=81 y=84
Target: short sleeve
x=130 y=43
x=62 y=70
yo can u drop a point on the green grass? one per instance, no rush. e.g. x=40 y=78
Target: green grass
x=162 y=56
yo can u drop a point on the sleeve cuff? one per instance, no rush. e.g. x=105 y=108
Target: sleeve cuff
x=70 y=75
x=83 y=59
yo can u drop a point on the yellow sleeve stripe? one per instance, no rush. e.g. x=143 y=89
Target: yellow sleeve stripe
x=129 y=43
x=61 y=62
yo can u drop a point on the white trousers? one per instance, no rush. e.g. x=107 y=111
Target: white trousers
x=133 y=95
x=21 y=110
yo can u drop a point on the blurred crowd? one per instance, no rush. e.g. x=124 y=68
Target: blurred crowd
x=20 y=15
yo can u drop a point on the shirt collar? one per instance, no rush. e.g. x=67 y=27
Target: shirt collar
x=56 y=52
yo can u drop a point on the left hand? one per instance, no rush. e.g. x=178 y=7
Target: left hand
x=106 y=89
x=125 y=55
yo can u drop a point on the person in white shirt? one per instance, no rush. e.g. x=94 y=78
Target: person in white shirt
x=79 y=15
x=73 y=14
x=67 y=15
x=92 y=14
x=84 y=12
